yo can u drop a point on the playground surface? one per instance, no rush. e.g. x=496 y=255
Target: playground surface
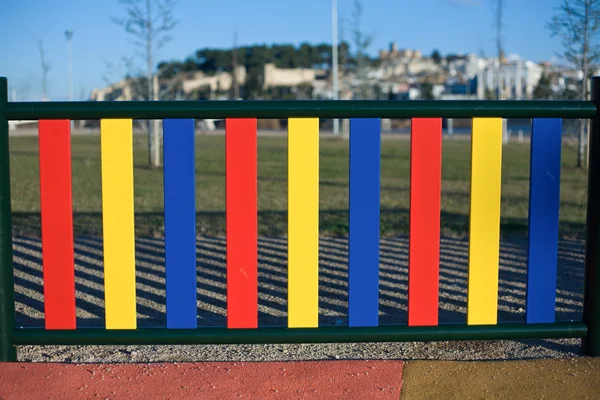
x=543 y=378
x=536 y=368
x=272 y=301
x=322 y=380
x=272 y=250
x=523 y=379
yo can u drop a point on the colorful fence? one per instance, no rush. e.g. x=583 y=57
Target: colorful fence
x=303 y=183
x=303 y=223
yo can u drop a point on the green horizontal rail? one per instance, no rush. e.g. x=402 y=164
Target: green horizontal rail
x=83 y=336
x=287 y=109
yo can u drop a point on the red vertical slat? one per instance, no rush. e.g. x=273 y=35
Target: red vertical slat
x=57 y=223
x=242 y=248
x=424 y=248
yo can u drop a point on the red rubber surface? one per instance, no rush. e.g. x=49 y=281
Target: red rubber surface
x=281 y=380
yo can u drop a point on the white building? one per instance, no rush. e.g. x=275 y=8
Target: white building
x=517 y=78
x=468 y=66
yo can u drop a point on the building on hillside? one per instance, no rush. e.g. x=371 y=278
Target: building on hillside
x=516 y=80
x=397 y=74
x=401 y=62
x=289 y=77
x=217 y=86
x=396 y=54
x=120 y=91
x=468 y=66
x=200 y=86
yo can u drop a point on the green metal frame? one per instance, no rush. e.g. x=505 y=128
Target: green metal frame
x=302 y=108
x=591 y=295
x=334 y=334
x=8 y=351
x=588 y=329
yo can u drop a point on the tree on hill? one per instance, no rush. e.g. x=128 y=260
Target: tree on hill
x=436 y=56
x=253 y=58
x=543 y=90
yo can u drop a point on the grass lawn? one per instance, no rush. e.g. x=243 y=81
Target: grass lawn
x=272 y=187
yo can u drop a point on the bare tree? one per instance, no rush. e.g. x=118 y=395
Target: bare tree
x=125 y=67
x=108 y=77
x=577 y=23
x=45 y=67
x=362 y=42
x=149 y=22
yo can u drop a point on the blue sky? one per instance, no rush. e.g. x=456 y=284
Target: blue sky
x=452 y=26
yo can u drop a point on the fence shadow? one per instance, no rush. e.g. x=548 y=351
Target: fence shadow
x=272 y=258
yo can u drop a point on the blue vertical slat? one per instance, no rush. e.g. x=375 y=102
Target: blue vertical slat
x=363 y=274
x=544 y=200
x=180 y=222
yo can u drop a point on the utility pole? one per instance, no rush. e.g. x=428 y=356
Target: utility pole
x=334 y=67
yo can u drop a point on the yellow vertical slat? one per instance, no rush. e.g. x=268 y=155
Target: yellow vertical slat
x=484 y=232
x=118 y=223
x=303 y=222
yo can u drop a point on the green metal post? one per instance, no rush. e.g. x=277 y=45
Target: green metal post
x=8 y=351
x=591 y=298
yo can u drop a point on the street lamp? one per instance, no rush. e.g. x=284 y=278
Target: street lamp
x=69 y=36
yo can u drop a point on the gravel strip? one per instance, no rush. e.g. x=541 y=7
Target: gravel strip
x=150 y=276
